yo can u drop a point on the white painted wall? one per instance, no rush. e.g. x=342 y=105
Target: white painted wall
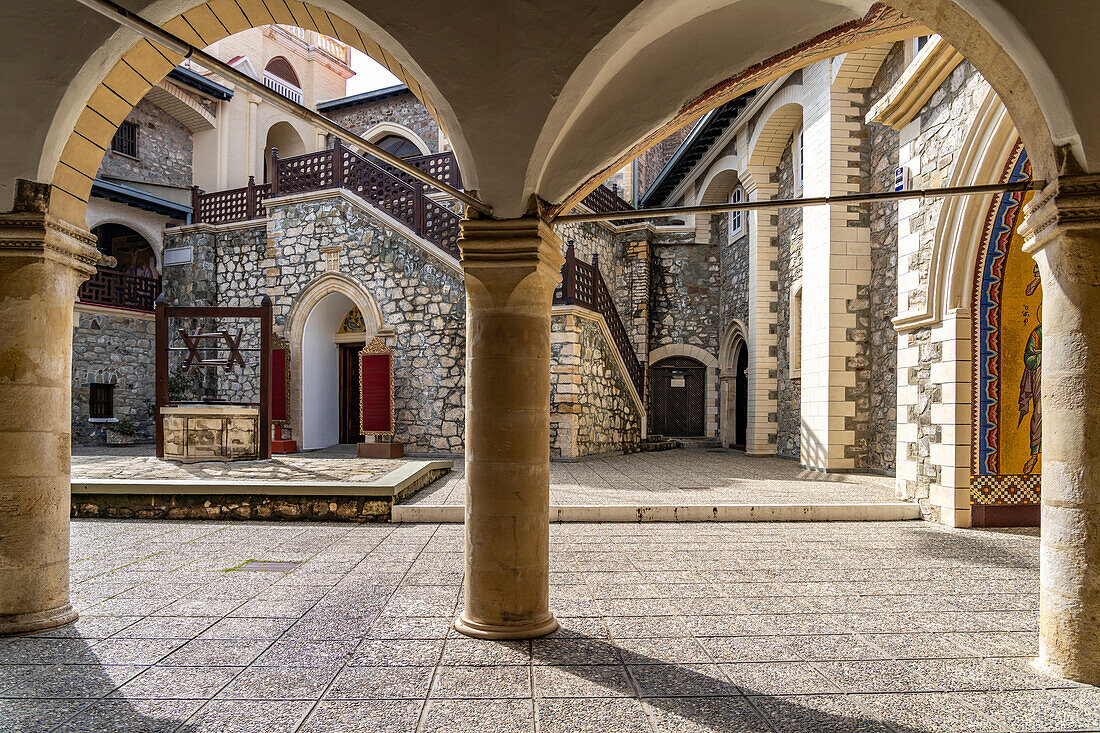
x=321 y=372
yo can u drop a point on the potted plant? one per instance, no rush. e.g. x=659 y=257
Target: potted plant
x=121 y=432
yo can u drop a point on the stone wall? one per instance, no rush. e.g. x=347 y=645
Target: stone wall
x=164 y=150
x=877 y=170
x=685 y=287
x=591 y=409
x=735 y=270
x=117 y=350
x=651 y=162
x=944 y=122
x=924 y=449
x=422 y=300
x=789 y=231
x=405 y=109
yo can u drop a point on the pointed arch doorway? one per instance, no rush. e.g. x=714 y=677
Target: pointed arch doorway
x=741 y=396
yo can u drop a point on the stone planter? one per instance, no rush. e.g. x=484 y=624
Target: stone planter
x=114 y=438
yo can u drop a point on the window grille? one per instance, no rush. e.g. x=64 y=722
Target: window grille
x=125 y=139
x=101 y=401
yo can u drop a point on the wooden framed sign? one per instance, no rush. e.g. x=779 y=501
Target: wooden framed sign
x=376 y=413
x=280 y=384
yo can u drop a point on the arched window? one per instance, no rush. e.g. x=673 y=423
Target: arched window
x=399 y=146
x=737 y=218
x=279 y=76
x=281 y=68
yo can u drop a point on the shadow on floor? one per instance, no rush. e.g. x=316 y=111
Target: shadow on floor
x=73 y=693
x=678 y=692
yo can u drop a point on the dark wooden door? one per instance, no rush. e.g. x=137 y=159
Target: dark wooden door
x=741 y=404
x=349 y=393
x=677 y=394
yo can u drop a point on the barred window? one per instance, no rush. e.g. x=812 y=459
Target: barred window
x=101 y=401
x=125 y=139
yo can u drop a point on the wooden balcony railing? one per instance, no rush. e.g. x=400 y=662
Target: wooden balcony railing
x=582 y=284
x=604 y=200
x=120 y=290
x=338 y=167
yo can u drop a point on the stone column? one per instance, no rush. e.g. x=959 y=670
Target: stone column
x=511 y=269
x=42 y=263
x=1062 y=230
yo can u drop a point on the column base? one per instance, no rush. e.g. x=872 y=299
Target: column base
x=480 y=630
x=29 y=623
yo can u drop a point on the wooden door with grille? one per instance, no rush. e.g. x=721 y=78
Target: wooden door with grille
x=677 y=397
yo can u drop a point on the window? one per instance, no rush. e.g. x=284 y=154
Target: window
x=799 y=158
x=101 y=401
x=794 y=336
x=399 y=146
x=737 y=217
x=920 y=42
x=279 y=76
x=125 y=139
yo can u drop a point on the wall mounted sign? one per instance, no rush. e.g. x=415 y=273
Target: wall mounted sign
x=376 y=413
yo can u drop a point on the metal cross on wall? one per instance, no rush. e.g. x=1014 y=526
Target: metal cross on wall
x=194 y=342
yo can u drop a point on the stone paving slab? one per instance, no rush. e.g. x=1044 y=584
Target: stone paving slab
x=339 y=463
x=686 y=477
x=905 y=627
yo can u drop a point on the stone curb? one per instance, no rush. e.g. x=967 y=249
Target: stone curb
x=885 y=512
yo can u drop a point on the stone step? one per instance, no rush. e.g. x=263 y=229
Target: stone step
x=881 y=512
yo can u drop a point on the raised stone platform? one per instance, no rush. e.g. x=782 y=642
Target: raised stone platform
x=276 y=497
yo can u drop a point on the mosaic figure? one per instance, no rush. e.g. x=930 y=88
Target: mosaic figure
x=1030 y=399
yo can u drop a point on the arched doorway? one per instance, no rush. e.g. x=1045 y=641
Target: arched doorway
x=324 y=375
x=133 y=281
x=282 y=137
x=678 y=391
x=741 y=396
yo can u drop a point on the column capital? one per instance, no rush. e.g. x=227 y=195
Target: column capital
x=500 y=254
x=1067 y=205
x=509 y=240
x=36 y=233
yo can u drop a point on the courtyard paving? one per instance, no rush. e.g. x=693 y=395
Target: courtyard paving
x=904 y=626
x=687 y=476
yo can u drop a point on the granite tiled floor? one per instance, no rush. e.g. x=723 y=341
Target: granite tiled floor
x=686 y=476
x=902 y=626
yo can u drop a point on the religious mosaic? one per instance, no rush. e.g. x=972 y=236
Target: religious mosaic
x=1007 y=447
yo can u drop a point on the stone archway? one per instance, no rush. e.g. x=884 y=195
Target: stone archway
x=589 y=127
x=733 y=342
x=707 y=360
x=310 y=325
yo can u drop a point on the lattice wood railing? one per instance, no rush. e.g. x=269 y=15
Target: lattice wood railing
x=582 y=284
x=120 y=290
